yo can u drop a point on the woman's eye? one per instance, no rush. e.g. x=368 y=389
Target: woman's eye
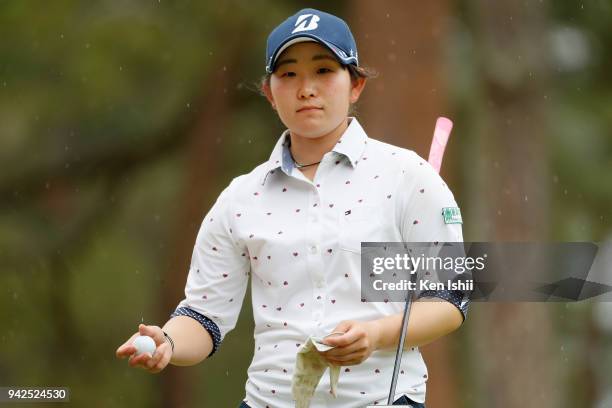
x=288 y=74
x=324 y=70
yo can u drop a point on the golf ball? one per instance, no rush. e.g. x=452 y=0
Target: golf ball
x=144 y=344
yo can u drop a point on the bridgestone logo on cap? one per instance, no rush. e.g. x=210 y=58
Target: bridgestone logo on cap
x=306 y=22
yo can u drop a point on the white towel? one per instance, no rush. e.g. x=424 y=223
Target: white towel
x=309 y=368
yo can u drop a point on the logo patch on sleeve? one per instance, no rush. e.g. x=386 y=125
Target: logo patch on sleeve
x=452 y=215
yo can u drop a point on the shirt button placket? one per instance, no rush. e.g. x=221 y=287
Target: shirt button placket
x=314 y=252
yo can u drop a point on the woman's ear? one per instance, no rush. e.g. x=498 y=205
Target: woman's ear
x=357 y=86
x=268 y=93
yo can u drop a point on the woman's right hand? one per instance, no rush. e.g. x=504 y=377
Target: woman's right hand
x=153 y=364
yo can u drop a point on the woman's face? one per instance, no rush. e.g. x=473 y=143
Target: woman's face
x=311 y=90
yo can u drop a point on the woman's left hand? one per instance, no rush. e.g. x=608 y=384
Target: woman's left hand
x=353 y=347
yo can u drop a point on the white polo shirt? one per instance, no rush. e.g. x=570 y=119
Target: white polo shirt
x=299 y=243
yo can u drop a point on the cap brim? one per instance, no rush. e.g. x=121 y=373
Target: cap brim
x=341 y=55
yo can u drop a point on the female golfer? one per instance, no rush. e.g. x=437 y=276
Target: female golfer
x=294 y=225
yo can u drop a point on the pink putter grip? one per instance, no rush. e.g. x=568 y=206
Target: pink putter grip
x=438 y=144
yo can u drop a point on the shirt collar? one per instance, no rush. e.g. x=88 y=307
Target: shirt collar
x=351 y=144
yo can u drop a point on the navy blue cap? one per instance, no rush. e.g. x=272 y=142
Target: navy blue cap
x=312 y=25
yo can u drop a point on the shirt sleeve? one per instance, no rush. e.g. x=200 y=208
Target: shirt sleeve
x=218 y=274
x=422 y=197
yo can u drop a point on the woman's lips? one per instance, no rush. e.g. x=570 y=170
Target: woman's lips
x=309 y=109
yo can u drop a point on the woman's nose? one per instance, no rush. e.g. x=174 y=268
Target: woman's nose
x=307 y=89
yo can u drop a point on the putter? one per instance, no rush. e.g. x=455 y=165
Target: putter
x=436 y=153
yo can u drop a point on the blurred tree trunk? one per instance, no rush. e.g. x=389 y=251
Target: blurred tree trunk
x=403 y=41
x=514 y=341
x=199 y=193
